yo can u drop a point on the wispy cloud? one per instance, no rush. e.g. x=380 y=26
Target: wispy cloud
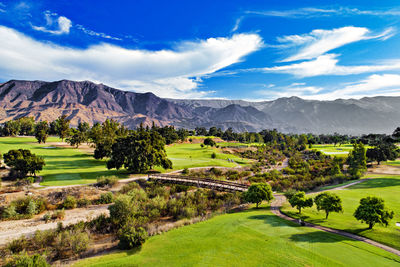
x=328 y=65
x=311 y=12
x=55 y=24
x=168 y=73
x=237 y=24
x=2 y=7
x=98 y=34
x=373 y=85
x=319 y=41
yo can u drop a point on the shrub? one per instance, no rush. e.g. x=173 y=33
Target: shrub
x=47 y=217
x=79 y=242
x=126 y=188
x=43 y=239
x=69 y=202
x=24 y=260
x=58 y=214
x=185 y=171
x=17 y=245
x=201 y=145
x=106 y=198
x=129 y=237
x=83 y=202
x=216 y=171
x=107 y=181
x=213 y=155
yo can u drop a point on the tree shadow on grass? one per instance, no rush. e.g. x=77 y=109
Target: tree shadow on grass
x=273 y=220
x=377 y=183
x=318 y=237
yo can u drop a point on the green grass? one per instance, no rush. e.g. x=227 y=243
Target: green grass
x=386 y=187
x=330 y=149
x=193 y=155
x=249 y=238
x=64 y=166
x=395 y=163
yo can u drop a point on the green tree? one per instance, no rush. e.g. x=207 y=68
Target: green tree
x=11 y=128
x=299 y=201
x=183 y=134
x=328 y=202
x=104 y=136
x=139 y=152
x=258 y=192
x=42 y=131
x=209 y=142
x=372 y=210
x=382 y=152
x=357 y=160
x=27 y=125
x=76 y=137
x=396 y=133
x=62 y=126
x=23 y=162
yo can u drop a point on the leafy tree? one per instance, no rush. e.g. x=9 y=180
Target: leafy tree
x=201 y=131
x=382 y=152
x=357 y=160
x=328 y=202
x=396 y=133
x=62 y=126
x=77 y=137
x=42 y=131
x=299 y=201
x=209 y=142
x=229 y=135
x=372 y=210
x=27 y=125
x=182 y=134
x=258 y=192
x=22 y=162
x=11 y=128
x=139 y=152
x=130 y=237
x=168 y=132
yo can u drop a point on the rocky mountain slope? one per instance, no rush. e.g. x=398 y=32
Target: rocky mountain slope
x=90 y=102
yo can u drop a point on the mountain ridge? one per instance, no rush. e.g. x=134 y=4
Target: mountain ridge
x=91 y=102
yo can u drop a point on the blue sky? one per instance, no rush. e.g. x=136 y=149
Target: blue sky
x=254 y=50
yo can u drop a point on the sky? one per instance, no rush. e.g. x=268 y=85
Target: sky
x=252 y=50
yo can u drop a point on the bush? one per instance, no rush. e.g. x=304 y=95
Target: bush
x=83 y=202
x=129 y=237
x=43 y=239
x=185 y=171
x=107 y=181
x=17 y=245
x=58 y=214
x=213 y=155
x=24 y=260
x=79 y=242
x=47 y=217
x=106 y=198
x=69 y=202
x=126 y=188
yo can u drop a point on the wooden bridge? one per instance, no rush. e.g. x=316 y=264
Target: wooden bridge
x=200 y=182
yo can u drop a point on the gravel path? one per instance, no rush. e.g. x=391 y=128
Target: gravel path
x=280 y=199
x=13 y=229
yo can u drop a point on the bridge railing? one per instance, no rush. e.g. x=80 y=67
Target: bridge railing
x=200 y=181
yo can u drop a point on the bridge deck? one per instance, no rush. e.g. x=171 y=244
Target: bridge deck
x=200 y=182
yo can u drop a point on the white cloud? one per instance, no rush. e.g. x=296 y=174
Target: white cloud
x=318 y=42
x=311 y=12
x=167 y=72
x=373 y=85
x=98 y=34
x=54 y=24
x=327 y=65
x=237 y=24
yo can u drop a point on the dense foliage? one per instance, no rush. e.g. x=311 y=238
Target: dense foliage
x=23 y=162
x=372 y=210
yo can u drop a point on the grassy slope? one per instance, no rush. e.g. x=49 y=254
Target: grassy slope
x=249 y=238
x=193 y=155
x=387 y=187
x=64 y=166
x=67 y=166
x=395 y=163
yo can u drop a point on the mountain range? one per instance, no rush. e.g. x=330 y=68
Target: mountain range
x=91 y=102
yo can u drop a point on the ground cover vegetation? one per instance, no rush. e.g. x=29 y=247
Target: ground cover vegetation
x=254 y=237
x=137 y=212
x=370 y=209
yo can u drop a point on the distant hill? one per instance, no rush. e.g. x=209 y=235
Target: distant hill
x=90 y=102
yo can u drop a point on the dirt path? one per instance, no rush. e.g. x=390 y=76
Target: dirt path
x=13 y=229
x=280 y=199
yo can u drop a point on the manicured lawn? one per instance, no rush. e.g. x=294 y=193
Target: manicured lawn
x=395 y=163
x=386 y=187
x=330 y=149
x=64 y=166
x=193 y=155
x=249 y=238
